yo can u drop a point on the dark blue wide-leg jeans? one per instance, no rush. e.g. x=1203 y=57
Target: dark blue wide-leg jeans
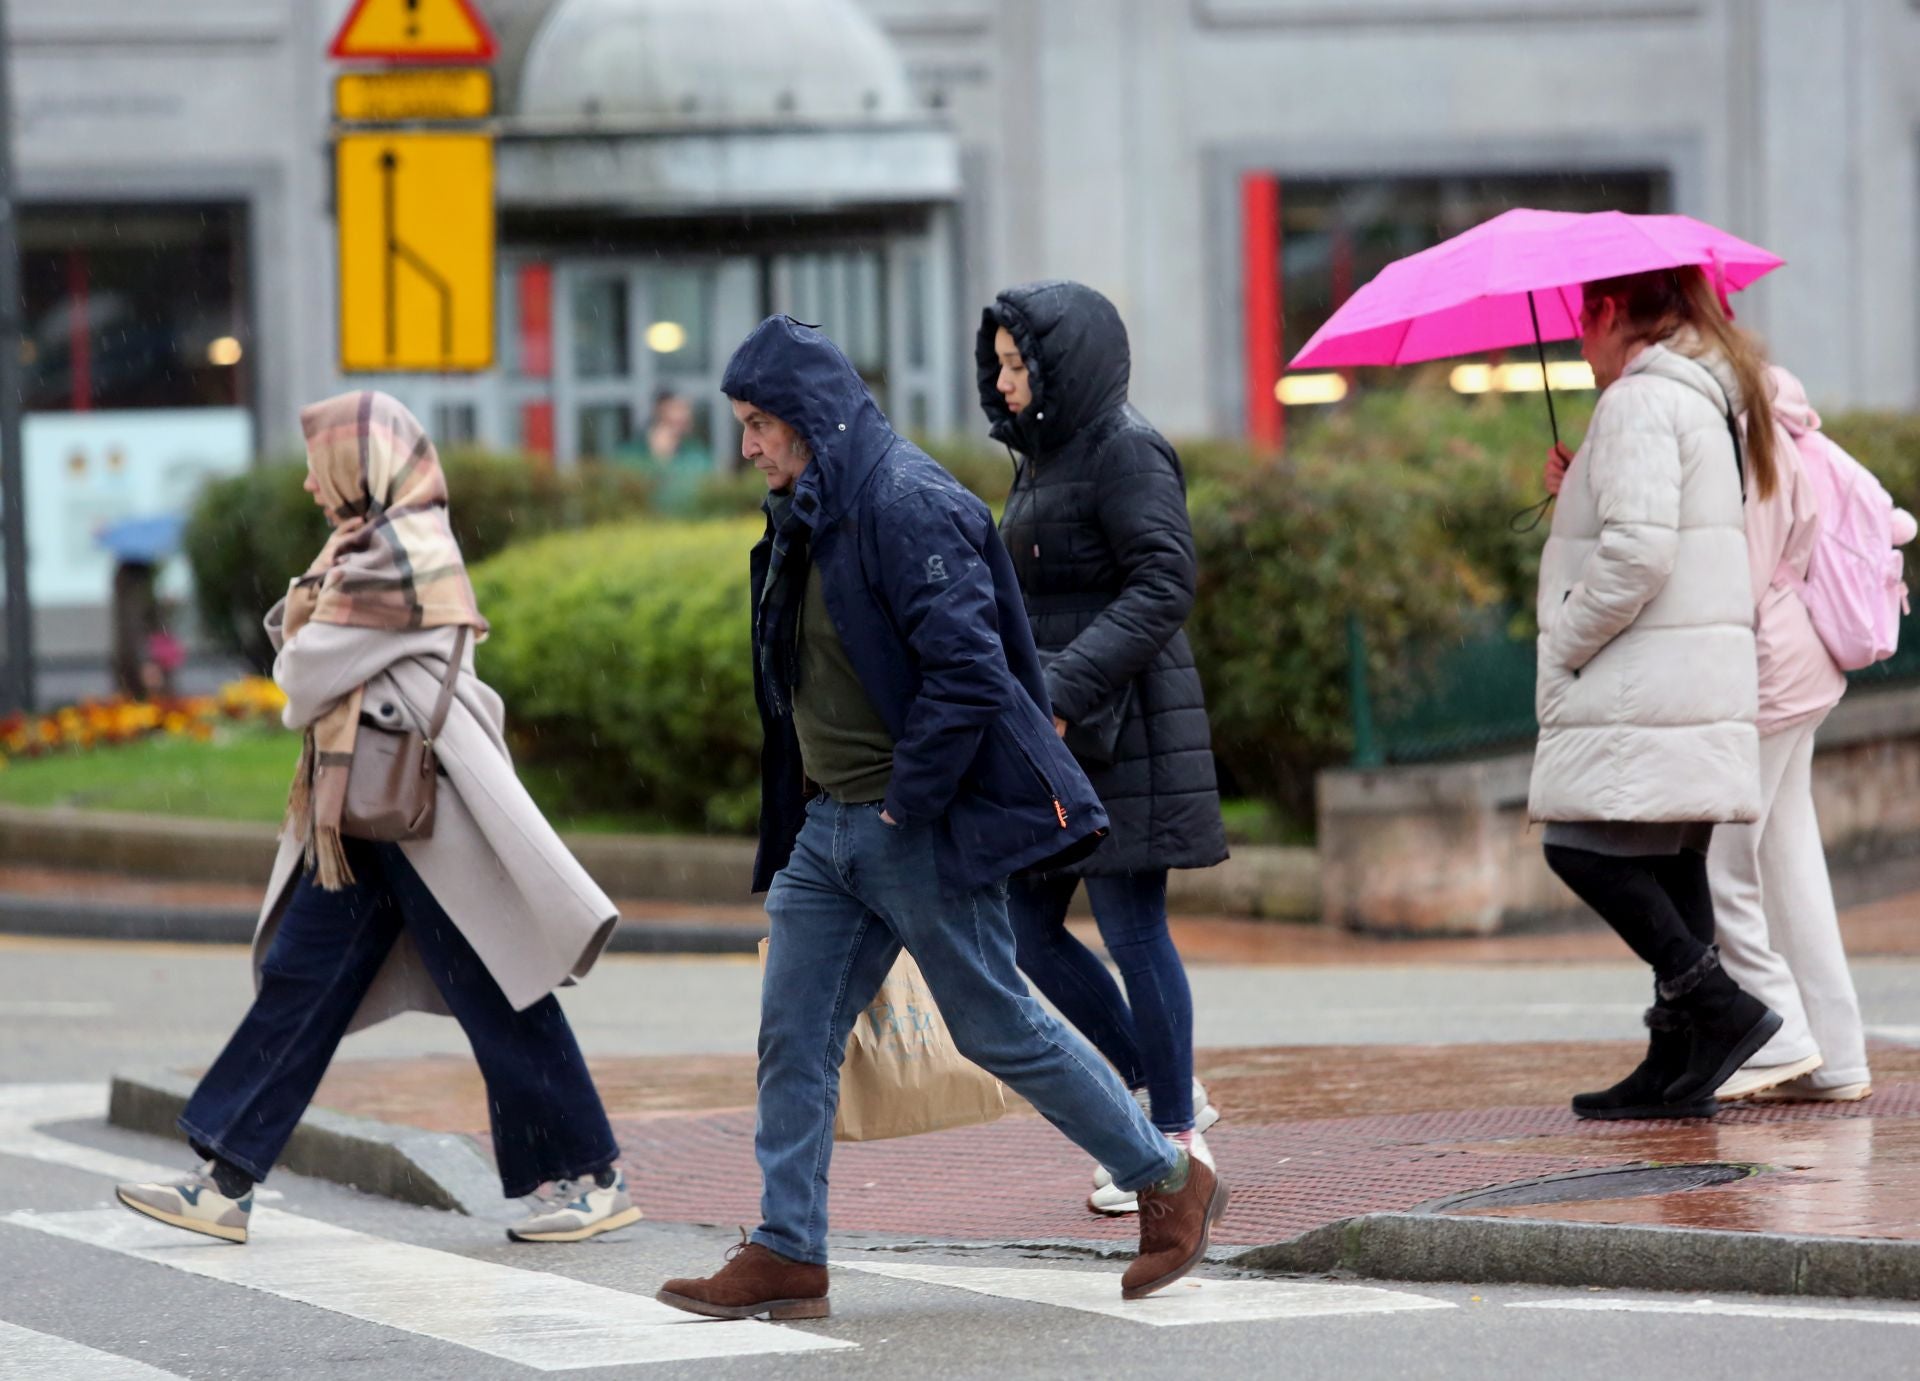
x=548 y=1122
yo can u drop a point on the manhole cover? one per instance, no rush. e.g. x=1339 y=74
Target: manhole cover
x=1583 y=1186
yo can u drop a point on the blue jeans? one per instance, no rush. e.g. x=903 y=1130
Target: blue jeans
x=548 y=1123
x=1148 y=1034
x=855 y=891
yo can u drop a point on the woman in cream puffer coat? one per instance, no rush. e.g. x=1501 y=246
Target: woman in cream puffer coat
x=1647 y=685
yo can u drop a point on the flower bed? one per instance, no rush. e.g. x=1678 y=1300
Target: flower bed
x=105 y=723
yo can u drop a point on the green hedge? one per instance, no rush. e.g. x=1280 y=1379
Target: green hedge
x=623 y=657
x=249 y=534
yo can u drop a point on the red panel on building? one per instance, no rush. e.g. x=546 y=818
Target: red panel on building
x=1260 y=308
x=533 y=288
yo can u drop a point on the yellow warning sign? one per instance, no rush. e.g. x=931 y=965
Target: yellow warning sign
x=415 y=93
x=413 y=31
x=416 y=251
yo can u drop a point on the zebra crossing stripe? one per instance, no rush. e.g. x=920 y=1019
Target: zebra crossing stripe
x=1808 y=1313
x=1190 y=1301
x=546 y=1322
x=29 y=1356
x=23 y=1107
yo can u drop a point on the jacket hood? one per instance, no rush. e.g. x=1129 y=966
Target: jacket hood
x=794 y=372
x=1701 y=368
x=1078 y=361
x=1790 y=406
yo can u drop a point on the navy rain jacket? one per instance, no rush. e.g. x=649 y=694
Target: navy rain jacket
x=924 y=598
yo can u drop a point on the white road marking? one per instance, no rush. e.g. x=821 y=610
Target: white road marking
x=31 y=1356
x=1191 y=1301
x=547 y=1322
x=24 y=1008
x=23 y=1107
x=1810 y=1313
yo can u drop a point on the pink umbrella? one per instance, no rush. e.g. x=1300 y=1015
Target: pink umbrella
x=1514 y=279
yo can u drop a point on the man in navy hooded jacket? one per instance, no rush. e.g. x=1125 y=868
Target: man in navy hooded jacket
x=910 y=766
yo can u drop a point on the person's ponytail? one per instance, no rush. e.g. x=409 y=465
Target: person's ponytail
x=1748 y=359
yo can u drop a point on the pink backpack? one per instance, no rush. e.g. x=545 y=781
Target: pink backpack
x=1855 y=588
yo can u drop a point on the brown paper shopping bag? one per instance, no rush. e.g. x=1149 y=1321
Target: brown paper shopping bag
x=902 y=1074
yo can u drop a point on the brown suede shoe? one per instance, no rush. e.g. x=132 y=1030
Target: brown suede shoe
x=755 y=1281
x=1174 y=1228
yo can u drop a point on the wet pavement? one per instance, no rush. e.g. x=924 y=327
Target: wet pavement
x=1310 y=1136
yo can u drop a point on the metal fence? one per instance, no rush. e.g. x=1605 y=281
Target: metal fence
x=1475 y=697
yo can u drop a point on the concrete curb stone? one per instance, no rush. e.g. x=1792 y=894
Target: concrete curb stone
x=1523 y=1251
x=89 y=920
x=431 y=1169
x=1265 y=882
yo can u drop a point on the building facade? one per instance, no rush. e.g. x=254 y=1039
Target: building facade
x=669 y=170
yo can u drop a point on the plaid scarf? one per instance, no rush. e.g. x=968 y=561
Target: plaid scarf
x=371 y=459
x=780 y=604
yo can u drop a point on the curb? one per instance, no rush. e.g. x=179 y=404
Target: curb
x=1262 y=882
x=1524 y=1251
x=431 y=1169
x=88 y=920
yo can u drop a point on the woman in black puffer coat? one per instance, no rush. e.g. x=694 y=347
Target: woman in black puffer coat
x=1097 y=527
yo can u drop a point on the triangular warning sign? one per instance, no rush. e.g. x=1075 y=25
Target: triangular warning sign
x=413 y=31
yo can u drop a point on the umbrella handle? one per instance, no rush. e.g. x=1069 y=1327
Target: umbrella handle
x=1540 y=349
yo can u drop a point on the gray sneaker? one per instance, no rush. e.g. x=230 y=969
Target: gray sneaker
x=194 y=1203
x=575 y=1210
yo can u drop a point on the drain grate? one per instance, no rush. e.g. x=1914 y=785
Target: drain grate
x=1585 y=1186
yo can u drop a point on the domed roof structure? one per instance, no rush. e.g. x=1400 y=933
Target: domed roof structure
x=632 y=64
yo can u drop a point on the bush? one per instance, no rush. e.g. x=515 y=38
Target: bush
x=622 y=654
x=249 y=534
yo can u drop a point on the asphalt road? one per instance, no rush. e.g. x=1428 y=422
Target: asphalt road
x=80 y=1009
x=337 y=1284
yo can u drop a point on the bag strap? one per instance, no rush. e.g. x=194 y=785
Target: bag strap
x=445 y=702
x=1739 y=460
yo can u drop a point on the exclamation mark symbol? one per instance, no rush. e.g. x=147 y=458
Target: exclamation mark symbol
x=413 y=19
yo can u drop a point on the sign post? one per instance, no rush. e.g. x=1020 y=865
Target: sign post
x=18 y=692
x=413 y=166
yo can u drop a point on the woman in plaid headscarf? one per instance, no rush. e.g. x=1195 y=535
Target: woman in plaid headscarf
x=481 y=922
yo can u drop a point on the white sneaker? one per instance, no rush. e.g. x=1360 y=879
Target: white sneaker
x=1750 y=1081
x=575 y=1210
x=1111 y=1199
x=1800 y=1091
x=194 y=1203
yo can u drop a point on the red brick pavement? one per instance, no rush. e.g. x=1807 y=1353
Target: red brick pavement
x=1312 y=1135
x=1018 y=1180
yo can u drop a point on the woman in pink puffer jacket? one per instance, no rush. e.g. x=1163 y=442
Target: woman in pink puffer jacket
x=1778 y=931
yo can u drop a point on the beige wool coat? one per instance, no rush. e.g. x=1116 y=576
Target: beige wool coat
x=494 y=864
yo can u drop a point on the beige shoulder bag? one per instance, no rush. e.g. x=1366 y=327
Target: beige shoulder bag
x=391 y=787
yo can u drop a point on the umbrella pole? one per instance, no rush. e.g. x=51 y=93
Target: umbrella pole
x=1540 y=348
x=1542 y=352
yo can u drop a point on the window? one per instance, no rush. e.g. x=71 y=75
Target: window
x=1337 y=233
x=604 y=429
x=844 y=293
x=455 y=424
x=134 y=307
x=600 y=327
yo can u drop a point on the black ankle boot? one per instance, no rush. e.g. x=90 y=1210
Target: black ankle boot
x=1643 y=1093
x=1726 y=1026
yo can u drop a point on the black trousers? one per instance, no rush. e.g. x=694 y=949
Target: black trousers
x=1661 y=905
